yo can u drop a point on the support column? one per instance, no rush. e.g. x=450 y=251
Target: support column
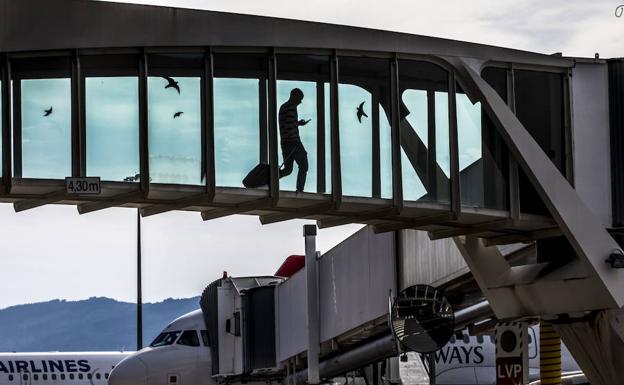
x=550 y=355
x=309 y=233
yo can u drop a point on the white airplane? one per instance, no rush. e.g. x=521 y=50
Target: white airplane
x=471 y=360
x=180 y=355
x=58 y=368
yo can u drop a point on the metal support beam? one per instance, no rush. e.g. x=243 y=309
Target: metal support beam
x=314 y=339
x=208 y=127
x=522 y=238
x=432 y=163
x=273 y=137
x=473 y=229
x=143 y=128
x=17 y=128
x=76 y=117
x=180 y=204
x=414 y=223
x=139 y=287
x=114 y=201
x=303 y=212
x=6 y=124
x=320 y=137
x=344 y=219
x=514 y=176
x=335 y=133
x=454 y=145
x=397 y=182
x=236 y=209
x=28 y=204
x=376 y=148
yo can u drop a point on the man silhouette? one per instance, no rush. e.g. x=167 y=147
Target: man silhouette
x=292 y=148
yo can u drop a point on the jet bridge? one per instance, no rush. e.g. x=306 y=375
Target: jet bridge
x=488 y=145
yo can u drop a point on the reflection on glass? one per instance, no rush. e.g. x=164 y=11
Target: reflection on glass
x=112 y=126
x=46 y=128
x=443 y=155
x=237 y=138
x=481 y=153
x=302 y=151
x=175 y=130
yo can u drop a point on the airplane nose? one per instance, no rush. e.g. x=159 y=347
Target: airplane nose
x=131 y=371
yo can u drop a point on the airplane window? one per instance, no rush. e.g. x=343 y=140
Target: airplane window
x=25 y=377
x=54 y=377
x=466 y=338
x=106 y=375
x=10 y=377
x=205 y=337
x=530 y=338
x=189 y=338
x=36 y=377
x=452 y=341
x=164 y=339
x=45 y=377
x=97 y=375
x=80 y=376
x=71 y=376
x=480 y=339
x=63 y=376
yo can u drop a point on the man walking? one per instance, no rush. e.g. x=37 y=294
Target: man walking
x=292 y=148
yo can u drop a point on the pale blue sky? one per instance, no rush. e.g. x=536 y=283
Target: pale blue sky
x=52 y=252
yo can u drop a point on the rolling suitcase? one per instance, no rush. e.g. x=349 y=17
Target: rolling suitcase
x=259 y=175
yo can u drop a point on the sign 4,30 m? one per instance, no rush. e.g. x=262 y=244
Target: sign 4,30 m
x=86 y=185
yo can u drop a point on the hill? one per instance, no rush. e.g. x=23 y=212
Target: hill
x=94 y=324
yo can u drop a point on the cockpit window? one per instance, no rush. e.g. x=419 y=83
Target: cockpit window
x=189 y=338
x=163 y=339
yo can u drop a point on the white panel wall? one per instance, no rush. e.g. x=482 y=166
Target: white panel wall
x=291 y=323
x=590 y=120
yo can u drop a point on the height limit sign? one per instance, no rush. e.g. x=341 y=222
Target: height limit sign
x=512 y=360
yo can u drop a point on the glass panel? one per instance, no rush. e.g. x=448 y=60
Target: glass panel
x=539 y=106
x=481 y=153
x=112 y=127
x=46 y=128
x=363 y=81
x=240 y=122
x=1 y=125
x=423 y=90
x=174 y=117
x=300 y=79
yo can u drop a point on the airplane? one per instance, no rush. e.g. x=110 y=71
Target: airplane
x=180 y=354
x=50 y=368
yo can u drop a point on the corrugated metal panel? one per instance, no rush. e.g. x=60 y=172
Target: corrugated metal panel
x=423 y=261
x=616 y=115
x=355 y=280
x=291 y=317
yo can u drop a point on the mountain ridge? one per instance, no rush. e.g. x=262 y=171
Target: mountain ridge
x=93 y=324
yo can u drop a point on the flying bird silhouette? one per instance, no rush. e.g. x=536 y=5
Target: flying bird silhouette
x=48 y=111
x=179 y=113
x=172 y=83
x=360 y=112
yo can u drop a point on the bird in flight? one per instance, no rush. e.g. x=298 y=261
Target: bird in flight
x=177 y=114
x=172 y=83
x=360 y=112
x=48 y=111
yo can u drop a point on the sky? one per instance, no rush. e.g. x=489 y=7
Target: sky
x=52 y=252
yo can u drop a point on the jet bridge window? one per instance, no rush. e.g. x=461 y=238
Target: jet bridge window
x=43 y=122
x=164 y=339
x=189 y=338
x=364 y=119
x=174 y=117
x=111 y=88
x=240 y=115
x=424 y=131
x=310 y=75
